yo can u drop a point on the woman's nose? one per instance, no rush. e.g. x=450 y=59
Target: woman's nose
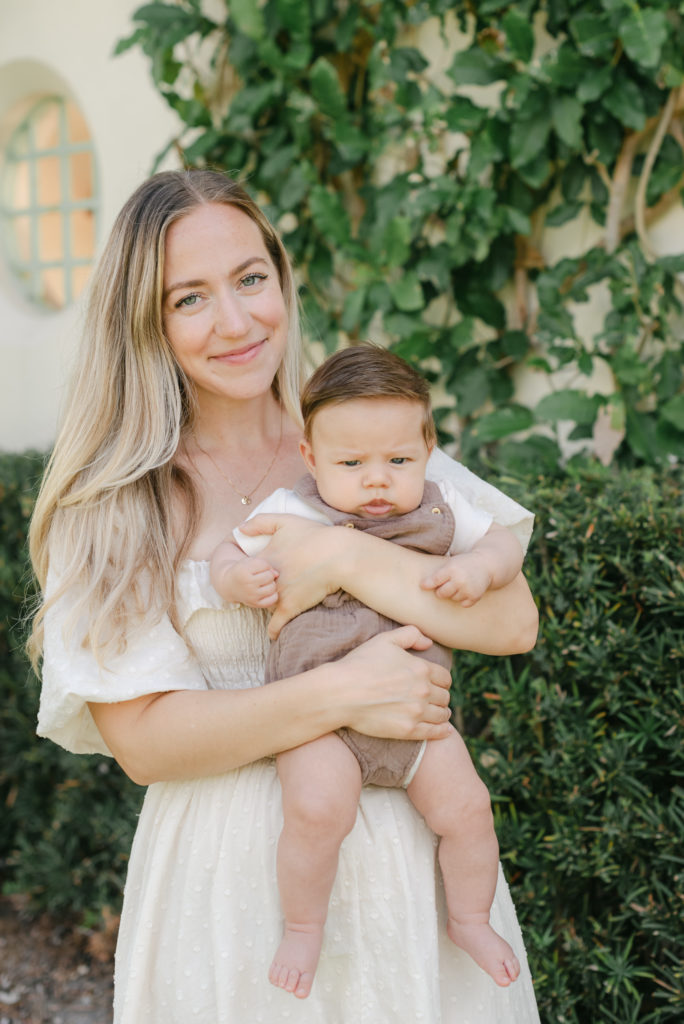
x=232 y=319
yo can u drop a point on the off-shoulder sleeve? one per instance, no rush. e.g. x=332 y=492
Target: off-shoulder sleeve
x=156 y=660
x=480 y=494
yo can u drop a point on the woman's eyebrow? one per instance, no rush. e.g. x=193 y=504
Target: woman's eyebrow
x=196 y=282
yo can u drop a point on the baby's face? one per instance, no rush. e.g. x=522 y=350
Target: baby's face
x=368 y=456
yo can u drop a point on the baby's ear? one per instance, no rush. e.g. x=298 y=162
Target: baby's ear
x=306 y=452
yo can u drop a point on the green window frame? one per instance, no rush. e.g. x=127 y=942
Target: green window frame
x=49 y=223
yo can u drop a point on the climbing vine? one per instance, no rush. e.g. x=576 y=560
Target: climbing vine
x=426 y=162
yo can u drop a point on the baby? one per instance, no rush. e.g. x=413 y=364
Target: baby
x=368 y=434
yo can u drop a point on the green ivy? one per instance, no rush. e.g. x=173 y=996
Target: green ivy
x=414 y=209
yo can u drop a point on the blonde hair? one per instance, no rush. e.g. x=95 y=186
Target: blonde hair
x=103 y=514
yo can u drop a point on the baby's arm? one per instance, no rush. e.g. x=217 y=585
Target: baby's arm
x=492 y=562
x=236 y=577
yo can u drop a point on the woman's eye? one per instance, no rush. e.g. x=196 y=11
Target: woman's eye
x=251 y=279
x=188 y=301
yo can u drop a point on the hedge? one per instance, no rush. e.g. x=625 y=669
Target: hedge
x=67 y=821
x=579 y=742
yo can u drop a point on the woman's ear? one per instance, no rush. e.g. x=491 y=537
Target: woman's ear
x=306 y=452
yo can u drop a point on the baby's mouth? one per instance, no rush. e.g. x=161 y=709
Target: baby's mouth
x=378 y=507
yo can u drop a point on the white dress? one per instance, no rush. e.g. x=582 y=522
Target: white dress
x=201 y=917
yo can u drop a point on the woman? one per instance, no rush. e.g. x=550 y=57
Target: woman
x=183 y=410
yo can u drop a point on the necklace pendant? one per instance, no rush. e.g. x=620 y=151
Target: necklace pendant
x=245 y=500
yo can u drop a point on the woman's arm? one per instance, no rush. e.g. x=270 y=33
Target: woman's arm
x=378 y=689
x=315 y=560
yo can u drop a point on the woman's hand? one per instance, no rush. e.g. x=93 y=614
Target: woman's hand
x=390 y=692
x=306 y=555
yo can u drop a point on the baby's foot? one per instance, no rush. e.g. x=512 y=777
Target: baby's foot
x=296 y=959
x=487 y=949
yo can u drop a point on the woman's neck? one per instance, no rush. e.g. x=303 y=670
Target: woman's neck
x=235 y=428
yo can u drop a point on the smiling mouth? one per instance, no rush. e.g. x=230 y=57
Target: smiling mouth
x=241 y=355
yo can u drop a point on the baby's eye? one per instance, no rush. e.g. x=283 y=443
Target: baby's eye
x=399 y=460
x=351 y=462
x=251 y=279
x=188 y=301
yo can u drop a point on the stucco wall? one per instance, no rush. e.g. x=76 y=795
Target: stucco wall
x=42 y=47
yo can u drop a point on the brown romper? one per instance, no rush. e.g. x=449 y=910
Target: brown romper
x=340 y=623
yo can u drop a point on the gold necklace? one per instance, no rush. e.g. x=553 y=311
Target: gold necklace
x=246 y=499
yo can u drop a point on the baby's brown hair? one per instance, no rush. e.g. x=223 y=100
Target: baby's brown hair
x=365 y=371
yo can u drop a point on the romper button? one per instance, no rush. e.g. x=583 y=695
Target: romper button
x=350 y=525
x=436 y=511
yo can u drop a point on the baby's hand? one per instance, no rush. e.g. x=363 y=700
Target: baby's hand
x=463 y=578
x=251 y=581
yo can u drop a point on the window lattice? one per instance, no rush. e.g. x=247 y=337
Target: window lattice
x=49 y=208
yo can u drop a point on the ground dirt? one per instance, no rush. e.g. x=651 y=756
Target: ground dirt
x=52 y=971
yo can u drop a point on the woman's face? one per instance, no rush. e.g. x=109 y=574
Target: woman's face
x=223 y=309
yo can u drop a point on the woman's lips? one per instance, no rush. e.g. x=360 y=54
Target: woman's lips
x=240 y=355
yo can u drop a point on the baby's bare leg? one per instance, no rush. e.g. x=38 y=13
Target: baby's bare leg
x=454 y=801
x=321 y=784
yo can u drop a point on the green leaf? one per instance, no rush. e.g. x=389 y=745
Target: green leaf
x=405 y=59
x=462 y=335
x=352 y=145
x=515 y=344
x=563 y=213
x=565 y=67
x=463 y=115
x=643 y=34
x=201 y=146
x=519 y=34
x=537 y=172
x=407 y=292
x=572 y=179
x=516 y=220
x=434 y=268
x=396 y=240
x=470 y=389
x=642 y=436
x=594 y=82
x=672 y=264
x=160 y=15
x=567 y=120
x=295 y=16
x=625 y=101
x=502 y=422
x=528 y=138
x=568 y=404
x=326 y=89
x=135 y=39
x=353 y=306
x=329 y=215
x=594 y=35
x=248 y=17
x=401 y=325
x=476 y=67
x=673 y=411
